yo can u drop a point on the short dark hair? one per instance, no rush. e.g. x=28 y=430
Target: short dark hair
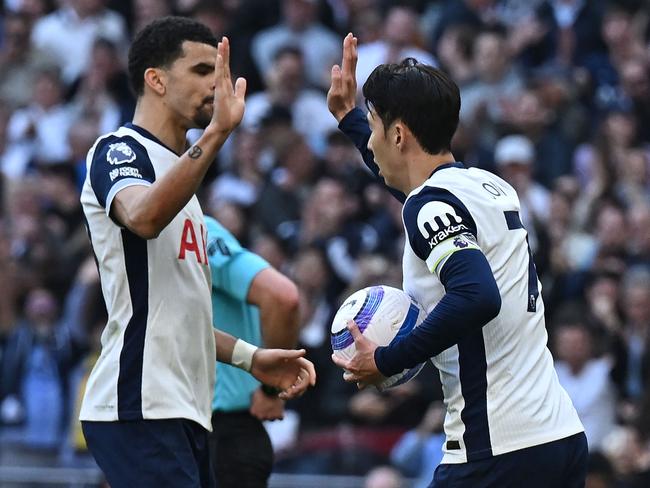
x=423 y=97
x=160 y=43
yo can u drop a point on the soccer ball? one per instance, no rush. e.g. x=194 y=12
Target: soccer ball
x=382 y=314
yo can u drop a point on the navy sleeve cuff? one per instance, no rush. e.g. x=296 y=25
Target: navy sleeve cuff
x=380 y=360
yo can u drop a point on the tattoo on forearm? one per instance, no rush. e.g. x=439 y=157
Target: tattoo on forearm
x=195 y=152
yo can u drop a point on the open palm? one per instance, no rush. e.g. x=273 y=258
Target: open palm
x=343 y=90
x=229 y=102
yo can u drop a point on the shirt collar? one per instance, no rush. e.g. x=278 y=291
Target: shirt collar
x=145 y=133
x=453 y=164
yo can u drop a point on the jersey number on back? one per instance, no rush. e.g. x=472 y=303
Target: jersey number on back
x=514 y=223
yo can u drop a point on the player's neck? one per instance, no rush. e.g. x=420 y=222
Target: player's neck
x=162 y=125
x=422 y=165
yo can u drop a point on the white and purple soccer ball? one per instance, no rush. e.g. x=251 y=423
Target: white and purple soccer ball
x=382 y=314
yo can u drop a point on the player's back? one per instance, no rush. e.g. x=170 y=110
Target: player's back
x=500 y=387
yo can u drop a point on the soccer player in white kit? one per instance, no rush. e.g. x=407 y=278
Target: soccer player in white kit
x=467 y=261
x=147 y=410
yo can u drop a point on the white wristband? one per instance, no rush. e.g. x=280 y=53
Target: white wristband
x=242 y=355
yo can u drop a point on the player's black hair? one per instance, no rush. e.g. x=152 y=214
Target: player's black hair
x=422 y=97
x=160 y=43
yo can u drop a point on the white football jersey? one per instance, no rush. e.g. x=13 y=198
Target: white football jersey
x=500 y=388
x=158 y=351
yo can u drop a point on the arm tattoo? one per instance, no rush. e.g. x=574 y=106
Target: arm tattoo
x=195 y=152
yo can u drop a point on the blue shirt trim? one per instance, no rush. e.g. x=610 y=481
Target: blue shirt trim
x=129 y=382
x=145 y=133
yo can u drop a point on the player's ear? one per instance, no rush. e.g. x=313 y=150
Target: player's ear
x=398 y=135
x=156 y=80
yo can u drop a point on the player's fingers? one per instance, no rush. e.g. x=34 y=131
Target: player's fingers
x=354 y=330
x=226 y=58
x=336 y=78
x=347 y=54
x=310 y=371
x=350 y=377
x=219 y=49
x=340 y=362
x=286 y=394
x=298 y=387
x=218 y=69
x=355 y=57
x=240 y=88
x=304 y=377
x=292 y=353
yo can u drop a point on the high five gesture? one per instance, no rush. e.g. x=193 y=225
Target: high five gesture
x=228 y=102
x=343 y=90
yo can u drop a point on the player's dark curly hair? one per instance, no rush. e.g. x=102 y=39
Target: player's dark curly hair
x=424 y=98
x=160 y=43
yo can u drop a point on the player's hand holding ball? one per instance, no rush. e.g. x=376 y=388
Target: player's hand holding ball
x=361 y=369
x=367 y=319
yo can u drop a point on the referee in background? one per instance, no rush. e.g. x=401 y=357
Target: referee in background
x=257 y=303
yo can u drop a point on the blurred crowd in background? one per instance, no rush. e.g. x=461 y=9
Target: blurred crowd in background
x=555 y=99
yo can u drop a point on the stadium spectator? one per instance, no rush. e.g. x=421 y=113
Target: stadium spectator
x=400 y=40
x=538 y=118
x=19 y=62
x=611 y=233
x=299 y=27
x=102 y=94
x=635 y=84
x=146 y=11
x=497 y=81
x=638 y=217
x=38 y=133
x=242 y=181
x=40 y=354
x=419 y=451
x=635 y=301
x=327 y=221
x=586 y=379
x=286 y=88
x=477 y=14
x=624 y=43
x=454 y=52
x=68 y=34
x=383 y=477
x=571 y=33
x=281 y=199
x=514 y=156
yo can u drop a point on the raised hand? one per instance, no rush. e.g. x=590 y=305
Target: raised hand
x=285 y=369
x=361 y=369
x=228 y=102
x=343 y=89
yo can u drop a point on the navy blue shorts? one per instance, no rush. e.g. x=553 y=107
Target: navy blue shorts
x=162 y=453
x=557 y=464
